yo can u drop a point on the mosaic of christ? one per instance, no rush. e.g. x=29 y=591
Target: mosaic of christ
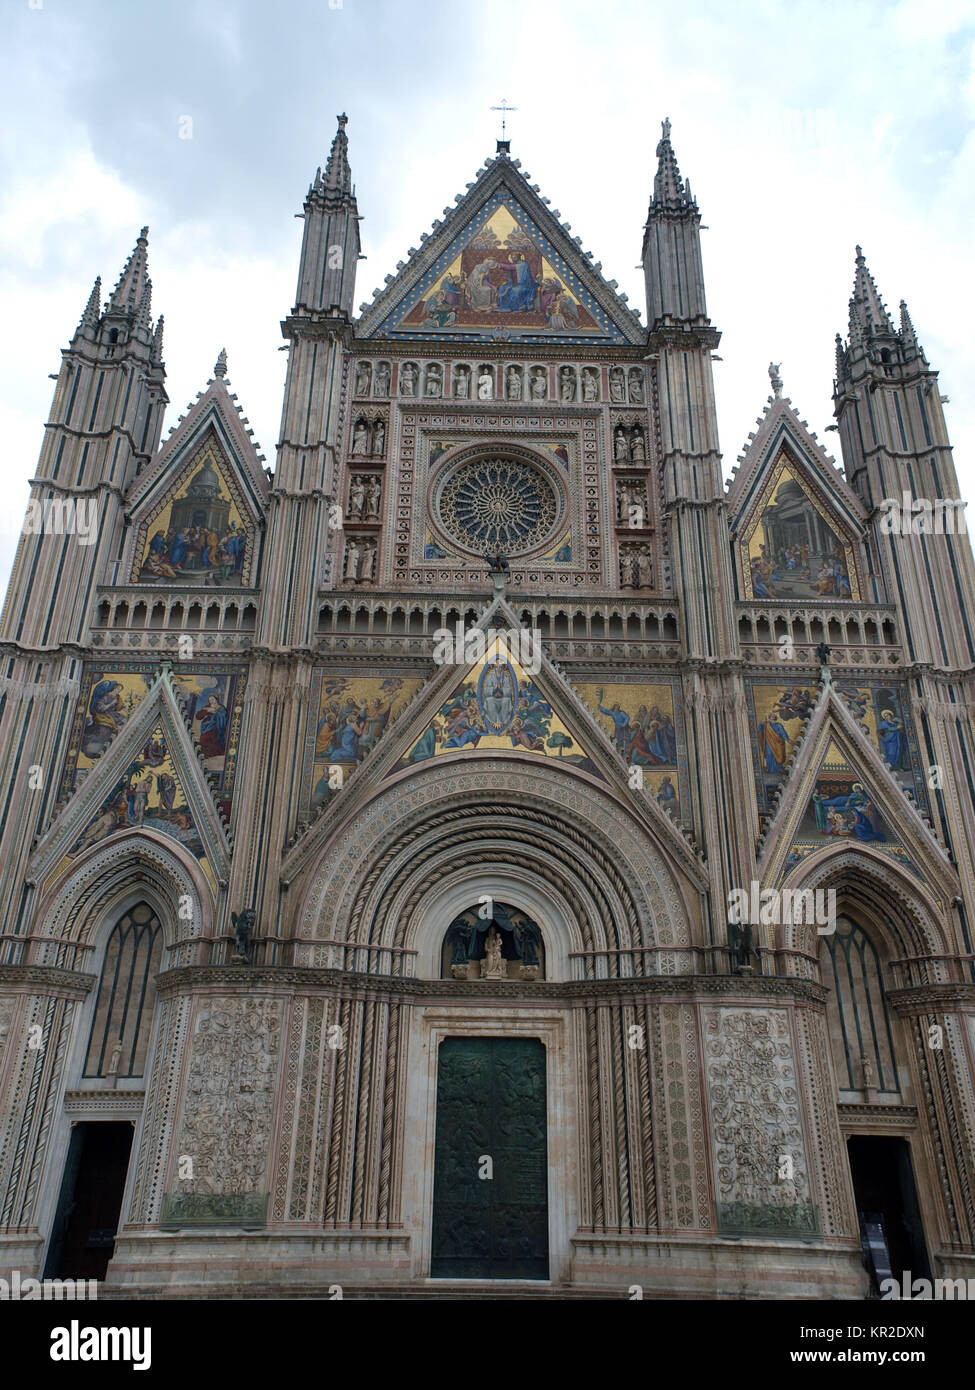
x=793 y=552
x=501 y=277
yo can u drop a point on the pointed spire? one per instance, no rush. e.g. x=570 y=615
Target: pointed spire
x=220 y=367
x=157 y=341
x=668 y=186
x=871 y=316
x=338 y=176
x=131 y=286
x=93 y=309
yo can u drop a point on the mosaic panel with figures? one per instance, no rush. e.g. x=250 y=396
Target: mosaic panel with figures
x=645 y=724
x=212 y=695
x=349 y=714
x=881 y=708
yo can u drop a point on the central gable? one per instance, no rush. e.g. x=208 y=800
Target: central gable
x=501 y=264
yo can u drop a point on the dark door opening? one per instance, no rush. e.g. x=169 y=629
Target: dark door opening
x=86 y=1221
x=886 y=1196
x=490 y=1182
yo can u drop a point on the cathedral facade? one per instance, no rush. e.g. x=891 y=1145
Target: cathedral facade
x=491 y=851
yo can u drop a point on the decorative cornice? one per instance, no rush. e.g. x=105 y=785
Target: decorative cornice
x=47 y=979
x=297 y=979
x=922 y=999
x=895 y=1116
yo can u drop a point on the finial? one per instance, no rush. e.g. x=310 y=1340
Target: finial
x=220 y=369
x=343 y=120
x=665 y=128
x=774 y=377
x=504 y=144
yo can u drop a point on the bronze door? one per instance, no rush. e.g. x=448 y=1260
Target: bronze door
x=490 y=1188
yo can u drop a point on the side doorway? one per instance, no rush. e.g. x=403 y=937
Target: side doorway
x=90 y=1201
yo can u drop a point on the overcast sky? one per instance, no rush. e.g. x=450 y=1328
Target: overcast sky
x=804 y=128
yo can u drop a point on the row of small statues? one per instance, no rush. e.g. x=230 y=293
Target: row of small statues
x=360 y=558
x=369 y=440
x=516 y=383
x=365 y=496
x=629 y=445
x=636 y=567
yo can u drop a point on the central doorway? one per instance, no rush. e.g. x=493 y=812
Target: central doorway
x=490 y=1184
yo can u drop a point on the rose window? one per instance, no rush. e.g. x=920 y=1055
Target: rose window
x=498 y=504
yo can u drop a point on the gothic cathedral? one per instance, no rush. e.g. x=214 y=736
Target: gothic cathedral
x=489 y=851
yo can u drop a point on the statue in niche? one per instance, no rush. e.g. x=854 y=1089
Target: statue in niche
x=485 y=385
x=373 y=496
x=568 y=384
x=539 y=385
x=638 y=450
x=620 y=445
x=407 y=379
x=514 y=384
x=590 y=384
x=382 y=379
x=379 y=438
x=433 y=382
x=636 y=386
x=357 y=497
x=363 y=377
x=368 y=569
x=494 y=966
x=360 y=440
x=352 y=554
x=617 y=392
x=629 y=568
x=644 y=566
x=462 y=383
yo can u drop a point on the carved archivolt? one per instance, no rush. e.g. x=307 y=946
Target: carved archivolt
x=413 y=831
x=74 y=908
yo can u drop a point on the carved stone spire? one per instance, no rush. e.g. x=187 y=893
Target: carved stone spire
x=867 y=312
x=668 y=186
x=337 y=181
x=93 y=309
x=132 y=282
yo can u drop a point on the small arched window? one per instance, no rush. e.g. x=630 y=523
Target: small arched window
x=859 y=1022
x=119 y=1037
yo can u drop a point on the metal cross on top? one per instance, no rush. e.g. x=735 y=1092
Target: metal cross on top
x=504 y=144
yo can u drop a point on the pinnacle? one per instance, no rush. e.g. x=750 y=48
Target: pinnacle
x=668 y=186
x=336 y=182
x=93 y=309
x=143 y=316
x=157 y=340
x=871 y=316
x=131 y=285
x=220 y=368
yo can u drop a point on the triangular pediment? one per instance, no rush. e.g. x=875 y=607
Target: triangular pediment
x=501 y=264
x=795 y=522
x=196 y=512
x=840 y=793
x=150 y=779
x=494 y=695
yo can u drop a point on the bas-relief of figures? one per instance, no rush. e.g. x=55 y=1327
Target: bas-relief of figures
x=365 y=494
x=636 y=567
x=629 y=444
x=632 y=507
x=360 y=558
x=368 y=440
x=352 y=716
x=792 y=551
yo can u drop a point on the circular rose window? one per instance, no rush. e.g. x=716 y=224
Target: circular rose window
x=492 y=504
